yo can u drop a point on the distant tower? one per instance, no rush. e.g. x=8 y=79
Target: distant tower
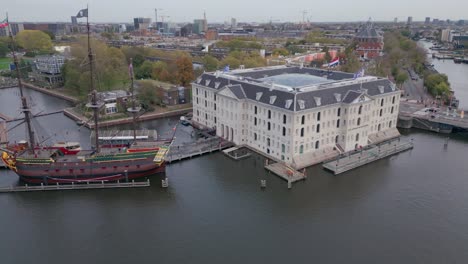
x=205 y=22
x=395 y=20
x=428 y=20
x=233 y=23
x=410 y=21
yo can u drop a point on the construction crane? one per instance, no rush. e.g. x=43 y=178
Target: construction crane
x=156 y=15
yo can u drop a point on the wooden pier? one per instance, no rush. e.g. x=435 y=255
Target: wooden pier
x=356 y=159
x=201 y=147
x=237 y=153
x=72 y=186
x=285 y=172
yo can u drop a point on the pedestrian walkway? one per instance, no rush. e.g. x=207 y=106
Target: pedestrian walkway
x=352 y=160
x=198 y=148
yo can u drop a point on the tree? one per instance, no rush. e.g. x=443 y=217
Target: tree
x=51 y=35
x=280 y=52
x=144 y=71
x=34 y=40
x=327 y=57
x=3 y=49
x=160 y=71
x=351 y=64
x=147 y=95
x=107 y=35
x=400 y=78
x=210 y=63
x=110 y=68
x=184 y=70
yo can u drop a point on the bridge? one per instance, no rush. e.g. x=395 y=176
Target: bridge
x=442 y=120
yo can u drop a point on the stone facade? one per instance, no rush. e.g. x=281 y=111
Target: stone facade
x=339 y=116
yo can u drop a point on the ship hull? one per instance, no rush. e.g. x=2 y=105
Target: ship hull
x=84 y=179
x=67 y=171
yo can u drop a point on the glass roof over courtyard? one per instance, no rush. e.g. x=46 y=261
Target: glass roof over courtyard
x=296 y=80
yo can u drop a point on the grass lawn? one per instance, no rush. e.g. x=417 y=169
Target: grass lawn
x=4 y=63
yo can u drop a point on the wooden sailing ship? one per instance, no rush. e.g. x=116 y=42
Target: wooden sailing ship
x=48 y=165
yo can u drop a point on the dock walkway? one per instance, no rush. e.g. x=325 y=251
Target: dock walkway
x=365 y=156
x=237 y=153
x=61 y=187
x=289 y=174
x=201 y=147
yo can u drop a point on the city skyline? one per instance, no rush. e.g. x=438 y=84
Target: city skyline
x=218 y=12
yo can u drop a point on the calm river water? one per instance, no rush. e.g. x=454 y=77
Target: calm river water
x=457 y=73
x=410 y=208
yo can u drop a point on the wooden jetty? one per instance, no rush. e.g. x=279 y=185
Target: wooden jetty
x=356 y=159
x=237 y=153
x=285 y=172
x=72 y=186
x=201 y=147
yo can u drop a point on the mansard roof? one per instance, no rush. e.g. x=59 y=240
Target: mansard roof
x=243 y=85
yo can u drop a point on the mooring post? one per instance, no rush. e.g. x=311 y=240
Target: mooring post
x=126 y=175
x=289 y=184
x=263 y=184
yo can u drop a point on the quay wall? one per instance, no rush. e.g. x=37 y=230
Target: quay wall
x=52 y=93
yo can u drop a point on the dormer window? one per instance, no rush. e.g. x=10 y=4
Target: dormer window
x=288 y=103
x=207 y=82
x=258 y=96
x=318 y=101
x=199 y=79
x=217 y=84
x=393 y=87
x=272 y=99
x=338 y=97
x=301 y=104
x=381 y=89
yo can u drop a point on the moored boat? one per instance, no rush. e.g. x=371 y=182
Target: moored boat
x=47 y=165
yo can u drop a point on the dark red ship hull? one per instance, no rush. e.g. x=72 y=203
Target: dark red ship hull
x=108 y=178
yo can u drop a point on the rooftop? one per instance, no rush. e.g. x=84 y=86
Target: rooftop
x=295 y=88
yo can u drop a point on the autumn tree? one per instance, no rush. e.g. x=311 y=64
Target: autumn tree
x=210 y=63
x=184 y=70
x=34 y=40
x=110 y=68
x=280 y=52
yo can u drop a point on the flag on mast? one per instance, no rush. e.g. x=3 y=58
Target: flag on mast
x=4 y=23
x=82 y=13
x=334 y=62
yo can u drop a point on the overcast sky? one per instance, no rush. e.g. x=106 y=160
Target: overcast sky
x=242 y=10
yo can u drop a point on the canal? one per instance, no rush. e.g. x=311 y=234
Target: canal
x=410 y=208
x=457 y=74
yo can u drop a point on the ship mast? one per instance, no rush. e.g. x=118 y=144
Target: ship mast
x=134 y=110
x=25 y=108
x=94 y=104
